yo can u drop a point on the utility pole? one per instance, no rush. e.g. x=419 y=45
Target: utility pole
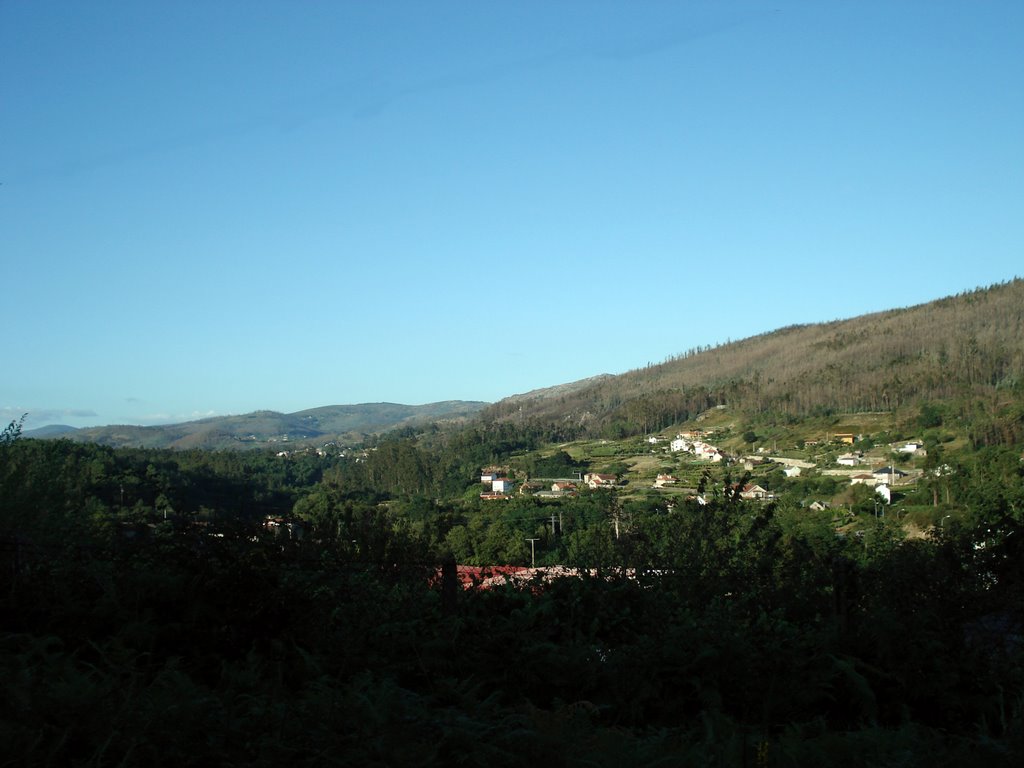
x=533 y=552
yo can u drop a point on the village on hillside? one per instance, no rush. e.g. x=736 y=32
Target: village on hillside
x=694 y=450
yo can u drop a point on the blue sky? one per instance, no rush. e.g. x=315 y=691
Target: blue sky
x=218 y=207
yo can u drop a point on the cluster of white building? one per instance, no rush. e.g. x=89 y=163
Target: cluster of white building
x=685 y=441
x=501 y=486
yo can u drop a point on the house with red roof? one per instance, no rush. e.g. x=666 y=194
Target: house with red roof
x=753 y=491
x=598 y=480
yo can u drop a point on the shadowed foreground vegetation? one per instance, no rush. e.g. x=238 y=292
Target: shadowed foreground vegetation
x=146 y=618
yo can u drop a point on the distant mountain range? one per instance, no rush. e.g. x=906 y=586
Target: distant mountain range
x=966 y=349
x=343 y=424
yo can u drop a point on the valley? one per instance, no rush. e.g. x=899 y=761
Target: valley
x=746 y=551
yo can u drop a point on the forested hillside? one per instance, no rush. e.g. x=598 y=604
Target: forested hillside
x=966 y=351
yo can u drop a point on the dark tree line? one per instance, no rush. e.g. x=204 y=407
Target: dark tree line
x=718 y=633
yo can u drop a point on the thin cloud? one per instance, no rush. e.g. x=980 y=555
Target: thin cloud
x=368 y=96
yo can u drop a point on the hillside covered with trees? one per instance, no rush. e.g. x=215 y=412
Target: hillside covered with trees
x=966 y=351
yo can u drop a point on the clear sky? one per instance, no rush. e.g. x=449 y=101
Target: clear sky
x=218 y=207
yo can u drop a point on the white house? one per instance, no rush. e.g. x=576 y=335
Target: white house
x=754 y=492
x=791 y=471
x=705 y=451
x=502 y=485
x=849 y=460
x=884 y=492
x=680 y=444
x=910 y=447
x=662 y=480
x=597 y=480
